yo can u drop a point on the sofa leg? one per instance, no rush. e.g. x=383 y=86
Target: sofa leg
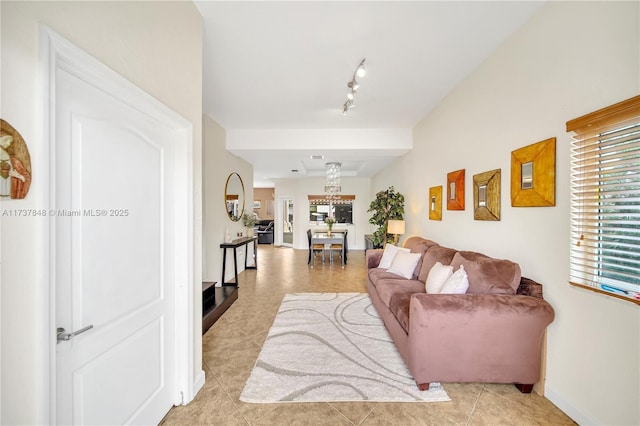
x=423 y=386
x=524 y=388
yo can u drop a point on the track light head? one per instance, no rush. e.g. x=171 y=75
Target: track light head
x=361 y=71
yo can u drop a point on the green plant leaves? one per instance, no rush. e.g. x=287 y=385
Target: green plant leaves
x=388 y=204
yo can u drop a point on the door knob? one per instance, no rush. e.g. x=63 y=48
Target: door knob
x=67 y=336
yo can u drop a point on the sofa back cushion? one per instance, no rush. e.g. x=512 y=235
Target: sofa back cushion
x=418 y=245
x=435 y=254
x=488 y=275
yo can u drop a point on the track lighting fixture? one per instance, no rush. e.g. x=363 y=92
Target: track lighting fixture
x=353 y=86
x=347 y=106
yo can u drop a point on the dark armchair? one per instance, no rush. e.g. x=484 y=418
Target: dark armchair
x=265 y=232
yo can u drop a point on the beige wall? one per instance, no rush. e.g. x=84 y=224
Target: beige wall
x=218 y=163
x=570 y=59
x=265 y=195
x=157 y=46
x=299 y=189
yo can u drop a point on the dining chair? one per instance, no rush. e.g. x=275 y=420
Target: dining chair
x=339 y=248
x=313 y=249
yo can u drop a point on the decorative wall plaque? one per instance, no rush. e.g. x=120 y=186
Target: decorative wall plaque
x=15 y=163
x=486 y=195
x=533 y=175
x=455 y=190
x=435 y=203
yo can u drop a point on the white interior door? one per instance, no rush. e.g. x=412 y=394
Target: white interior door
x=113 y=257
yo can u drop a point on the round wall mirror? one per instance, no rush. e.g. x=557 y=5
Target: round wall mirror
x=234 y=197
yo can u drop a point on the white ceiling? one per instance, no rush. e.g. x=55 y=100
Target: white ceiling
x=278 y=66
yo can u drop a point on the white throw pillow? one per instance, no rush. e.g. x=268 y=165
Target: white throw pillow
x=404 y=264
x=389 y=253
x=457 y=283
x=438 y=275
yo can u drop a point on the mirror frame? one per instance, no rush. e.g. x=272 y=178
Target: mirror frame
x=455 y=195
x=542 y=190
x=435 y=203
x=489 y=208
x=244 y=197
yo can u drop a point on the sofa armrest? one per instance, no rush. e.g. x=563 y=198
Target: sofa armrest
x=373 y=257
x=529 y=287
x=483 y=337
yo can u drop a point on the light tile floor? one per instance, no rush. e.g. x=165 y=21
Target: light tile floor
x=232 y=344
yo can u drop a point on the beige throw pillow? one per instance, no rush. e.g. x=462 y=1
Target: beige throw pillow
x=404 y=264
x=438 y=275
x=388 y=254
x=457 y=283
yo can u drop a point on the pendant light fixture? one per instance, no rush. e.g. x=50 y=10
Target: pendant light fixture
x=332 y=186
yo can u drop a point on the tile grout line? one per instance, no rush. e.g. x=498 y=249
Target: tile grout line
x=475 y=404
x=233 y=401
x=369 y=413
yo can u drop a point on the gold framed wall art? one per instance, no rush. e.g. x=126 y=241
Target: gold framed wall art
x=486 y=195
x=533 y=175
x=435 y=203
x=455 y=190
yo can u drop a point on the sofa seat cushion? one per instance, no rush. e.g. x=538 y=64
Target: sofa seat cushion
x=488 y=275
x=377 y=274
x=388 y=288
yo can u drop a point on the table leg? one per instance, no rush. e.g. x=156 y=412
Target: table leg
x=255 y=253
x=235 y=264
x=224 y=264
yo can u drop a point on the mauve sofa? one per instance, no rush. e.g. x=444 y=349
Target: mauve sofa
x=492 y=334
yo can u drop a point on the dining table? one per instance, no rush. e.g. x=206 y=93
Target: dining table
x=327 y=239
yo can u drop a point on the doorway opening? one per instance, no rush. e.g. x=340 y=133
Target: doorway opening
x=287 y=222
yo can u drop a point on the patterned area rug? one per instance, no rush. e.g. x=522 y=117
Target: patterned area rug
x=325 y=347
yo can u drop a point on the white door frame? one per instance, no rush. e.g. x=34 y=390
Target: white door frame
x=278 y=227
x=58 y=53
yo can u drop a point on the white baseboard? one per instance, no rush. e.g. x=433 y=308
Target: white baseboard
x=568 y=408
x=198 y=383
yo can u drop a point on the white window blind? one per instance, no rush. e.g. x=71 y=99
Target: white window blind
x=605 y=201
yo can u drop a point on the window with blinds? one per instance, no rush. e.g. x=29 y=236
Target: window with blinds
x=605 y=200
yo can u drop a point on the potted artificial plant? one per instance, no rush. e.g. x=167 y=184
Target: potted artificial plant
x=249 y=221
x=388 y=204
x=330 y=220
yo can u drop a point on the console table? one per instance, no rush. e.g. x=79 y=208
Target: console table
x=239 y=242
x=215 y=301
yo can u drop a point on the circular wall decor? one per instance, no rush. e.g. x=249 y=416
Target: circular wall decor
x=15 y=163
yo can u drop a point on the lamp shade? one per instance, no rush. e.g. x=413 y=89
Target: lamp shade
x=395 y=227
